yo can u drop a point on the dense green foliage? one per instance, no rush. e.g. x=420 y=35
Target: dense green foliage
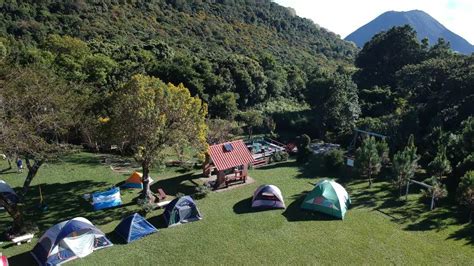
x=256 y=49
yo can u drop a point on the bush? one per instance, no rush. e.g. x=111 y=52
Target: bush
x=279 y=156
x=304 y=151
x=334 y=160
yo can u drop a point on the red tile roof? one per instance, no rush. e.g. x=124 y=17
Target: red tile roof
x=223 y=160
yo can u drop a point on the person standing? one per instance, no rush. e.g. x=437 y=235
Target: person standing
x=19 y=164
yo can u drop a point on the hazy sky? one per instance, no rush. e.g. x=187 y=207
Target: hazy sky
x=345 y=16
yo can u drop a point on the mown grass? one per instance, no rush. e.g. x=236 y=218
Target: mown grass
x=378 y=229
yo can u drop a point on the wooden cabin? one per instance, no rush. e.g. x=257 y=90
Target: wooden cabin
x=230 y=161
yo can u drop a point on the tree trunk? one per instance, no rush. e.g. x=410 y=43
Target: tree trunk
x=146 y=194
x=370 y=179
x=15 y=212
x=32 y=170
x=9 y=163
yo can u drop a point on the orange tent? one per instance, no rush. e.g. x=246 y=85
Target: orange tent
x=135 y=181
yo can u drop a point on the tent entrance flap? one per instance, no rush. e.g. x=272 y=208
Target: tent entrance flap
x=81 y=245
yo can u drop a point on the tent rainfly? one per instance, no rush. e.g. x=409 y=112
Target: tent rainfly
x=267 y=197
x=134 y=227
x=181 y=210
x=8 y=192
x=135 y=181
x=68 y=240
x=328 y=197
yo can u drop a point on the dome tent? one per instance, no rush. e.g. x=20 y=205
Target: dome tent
x=8 y=192
x=135 y=181
x=68 y=240
x=328 y=197
x=268 y=196
x=134 y=227
x=181 y=210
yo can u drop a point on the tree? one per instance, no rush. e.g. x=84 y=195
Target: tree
x=150 y=116
x=335 y=102
x=440 y=166
x=222 y=130
x=252 y=120
x=385 y=54
x=404 y=164
x=36 y=111
x=304 y=150
x=224 y=105
x=466 y=193
x=368 y=160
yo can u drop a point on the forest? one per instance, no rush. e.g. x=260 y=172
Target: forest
x=255 y=64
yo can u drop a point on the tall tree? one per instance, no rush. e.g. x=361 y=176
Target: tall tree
x=387 y=52
x=150 y=116
x=335 y=101
x=368 y=160
x=35 y=112
x=440 y=166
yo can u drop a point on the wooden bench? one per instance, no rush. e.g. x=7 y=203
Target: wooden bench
x=161 y=194
x=23 y=239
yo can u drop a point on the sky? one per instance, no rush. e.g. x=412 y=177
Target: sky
x=345 y=16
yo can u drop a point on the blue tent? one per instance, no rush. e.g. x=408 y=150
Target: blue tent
x=134 y=227
x=69 y=240
x=181 y=210
x=8 y=192
x=107 y=199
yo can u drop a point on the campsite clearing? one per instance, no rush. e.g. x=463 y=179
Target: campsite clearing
x=376 y=229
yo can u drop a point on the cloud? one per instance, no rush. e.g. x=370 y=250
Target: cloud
x=345 y=16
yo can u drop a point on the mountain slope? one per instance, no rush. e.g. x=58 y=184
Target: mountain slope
x=207 y=26
x=425 y=25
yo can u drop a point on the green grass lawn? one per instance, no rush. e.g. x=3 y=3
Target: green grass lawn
x=377 y=229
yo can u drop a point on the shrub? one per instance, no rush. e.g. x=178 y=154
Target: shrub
x=334 y=160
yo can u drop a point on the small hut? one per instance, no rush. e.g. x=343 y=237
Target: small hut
x=230 y=161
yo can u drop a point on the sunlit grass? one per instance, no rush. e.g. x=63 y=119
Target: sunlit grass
x=377 y=230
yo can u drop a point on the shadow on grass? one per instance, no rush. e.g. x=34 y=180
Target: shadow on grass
x=466 y=233
x=22 y=259
x=245 y=206
x=65 y=202
x=294 y=213
x=185 y=184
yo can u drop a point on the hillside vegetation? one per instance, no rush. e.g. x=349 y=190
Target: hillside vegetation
x=256 y=49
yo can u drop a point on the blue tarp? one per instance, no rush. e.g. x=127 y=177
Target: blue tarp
x=134 y=227
x=107 y=199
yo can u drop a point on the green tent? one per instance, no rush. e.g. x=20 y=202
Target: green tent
x=328 y=197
